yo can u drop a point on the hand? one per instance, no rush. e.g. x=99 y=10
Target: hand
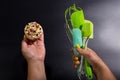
x=100 y=69
x=34 y=51
x=91 y=56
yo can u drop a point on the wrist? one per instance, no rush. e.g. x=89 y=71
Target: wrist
x=99 y=67
x=33 y=61
x=101 y=70
x=36 y=70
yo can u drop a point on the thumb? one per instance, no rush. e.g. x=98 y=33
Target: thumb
x=24 y=45
x=83 y=52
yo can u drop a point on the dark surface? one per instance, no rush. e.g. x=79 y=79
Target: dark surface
x=14 y=14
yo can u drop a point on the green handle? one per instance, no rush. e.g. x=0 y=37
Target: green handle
x=88 y=70
x=87 y=67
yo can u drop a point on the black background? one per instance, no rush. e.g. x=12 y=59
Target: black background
x=15 y=14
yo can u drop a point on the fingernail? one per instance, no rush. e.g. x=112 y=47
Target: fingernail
x=77 y=46
x=76 y=58
x=77 y=62
x=76 y=66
